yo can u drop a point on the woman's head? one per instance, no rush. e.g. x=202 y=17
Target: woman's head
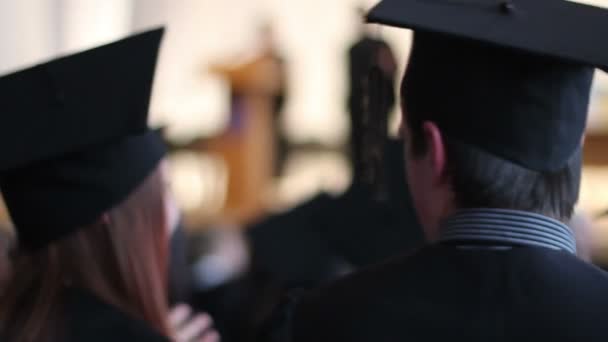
x=121 y=258
x=85 y=195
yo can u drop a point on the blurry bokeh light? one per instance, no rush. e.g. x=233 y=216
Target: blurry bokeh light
x=199 y=181
x=308 y=173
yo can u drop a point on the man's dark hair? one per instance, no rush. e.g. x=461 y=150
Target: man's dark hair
x=481 y=180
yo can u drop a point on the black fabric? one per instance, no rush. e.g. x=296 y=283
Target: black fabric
x=291 y=245
x=493 y=74
x=314 y=241
x=87 y=318
x=62 y=164
x=443 y=293
x=556 y=28
x=77 y=101
x=311 y=244
x=49 y=200
x=527 y=109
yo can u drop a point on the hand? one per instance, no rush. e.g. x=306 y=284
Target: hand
x=189 y=327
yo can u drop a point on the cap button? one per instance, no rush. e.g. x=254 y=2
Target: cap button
x=507 y=7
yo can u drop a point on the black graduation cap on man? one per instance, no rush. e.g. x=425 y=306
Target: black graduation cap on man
x=510 y=77
x=69 y=128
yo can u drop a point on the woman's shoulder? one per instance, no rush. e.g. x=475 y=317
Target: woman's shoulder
x=90 y=319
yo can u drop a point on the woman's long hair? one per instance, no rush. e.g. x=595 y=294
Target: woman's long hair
x=121 y=259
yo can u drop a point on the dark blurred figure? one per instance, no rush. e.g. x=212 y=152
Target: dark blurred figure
x=269 y=50
x=327 y=237
x=372 y=64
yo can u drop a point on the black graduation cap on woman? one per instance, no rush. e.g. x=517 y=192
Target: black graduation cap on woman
x=65 y=156
x=75 y=145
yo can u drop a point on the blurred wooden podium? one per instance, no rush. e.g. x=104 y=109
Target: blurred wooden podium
x=248 y=143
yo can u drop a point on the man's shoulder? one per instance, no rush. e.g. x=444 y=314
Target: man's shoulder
x=438 y=269
x=453 y=287
x=563 y=274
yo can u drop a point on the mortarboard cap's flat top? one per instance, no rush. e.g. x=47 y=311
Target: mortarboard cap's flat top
x=511 y=77
x=77 y=101
x=555 y=28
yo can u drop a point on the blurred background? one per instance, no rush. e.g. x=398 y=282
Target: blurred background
x=254 y=97
x=285 y=59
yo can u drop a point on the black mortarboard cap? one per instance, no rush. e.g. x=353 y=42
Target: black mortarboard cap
x=510 y=77
x=74 y=139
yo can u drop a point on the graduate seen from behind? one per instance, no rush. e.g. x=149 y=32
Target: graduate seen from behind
x=82 y=177
x=494 y=111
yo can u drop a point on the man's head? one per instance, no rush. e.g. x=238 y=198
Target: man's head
x=487 y=127
x=495 y=106
x=445 y=175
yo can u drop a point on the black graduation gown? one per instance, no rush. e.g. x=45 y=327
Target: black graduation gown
x=315 y=241
x=91 y=320
x=445 y=292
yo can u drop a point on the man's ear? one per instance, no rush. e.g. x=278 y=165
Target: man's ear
x=436 y=151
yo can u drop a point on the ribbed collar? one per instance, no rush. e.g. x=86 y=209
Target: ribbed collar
x=507 y=228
